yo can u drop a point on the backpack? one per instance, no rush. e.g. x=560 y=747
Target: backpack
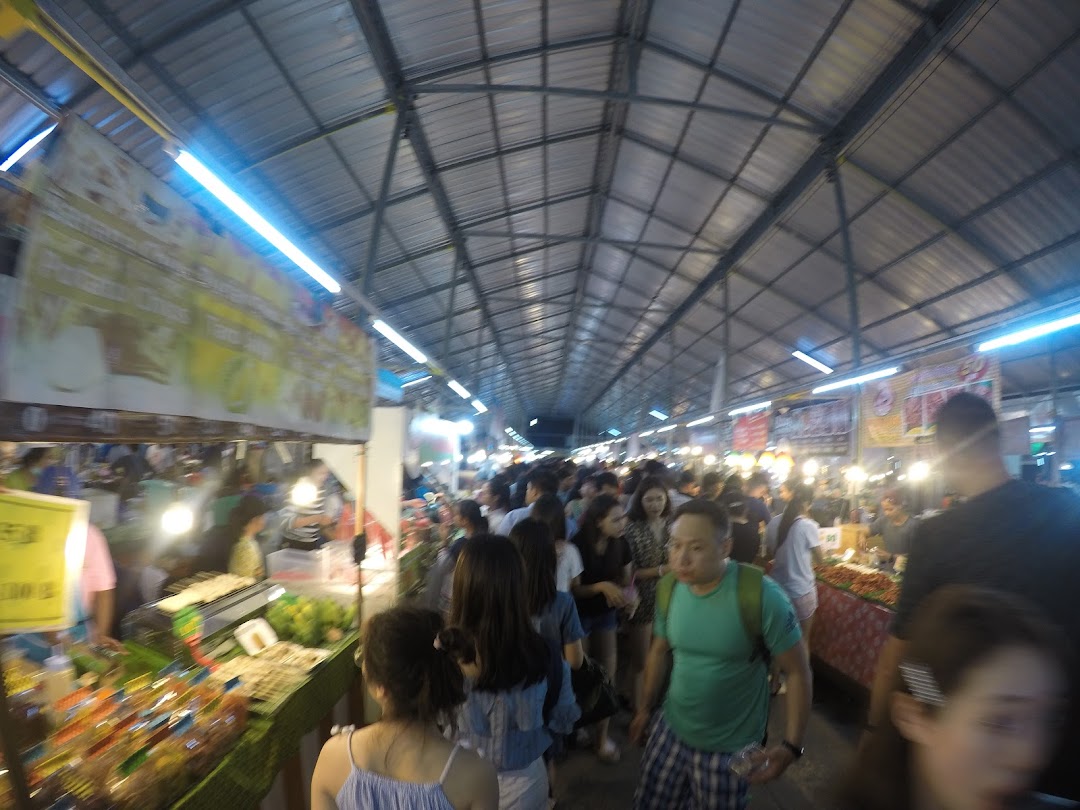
x=750 y=587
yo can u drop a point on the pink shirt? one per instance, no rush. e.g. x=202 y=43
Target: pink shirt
x=98 y=573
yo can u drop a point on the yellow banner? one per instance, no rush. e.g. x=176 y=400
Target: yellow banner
x=42 y=540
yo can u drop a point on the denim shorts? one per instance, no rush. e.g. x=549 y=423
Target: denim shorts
x=608 y=620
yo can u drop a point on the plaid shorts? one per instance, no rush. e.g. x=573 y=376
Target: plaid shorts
x=675 y=776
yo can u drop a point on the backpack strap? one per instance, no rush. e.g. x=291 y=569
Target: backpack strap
x=664 y=589
x=750 y=588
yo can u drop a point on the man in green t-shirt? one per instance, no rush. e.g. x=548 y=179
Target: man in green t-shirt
x=718 y=698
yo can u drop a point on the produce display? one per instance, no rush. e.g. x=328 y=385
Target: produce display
x=860 y=580
x=137 y=747
x=310 y=622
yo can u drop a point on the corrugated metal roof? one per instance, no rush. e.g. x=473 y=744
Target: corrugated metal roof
x=577 y=208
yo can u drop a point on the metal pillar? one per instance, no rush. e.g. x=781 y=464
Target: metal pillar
x=720 y=382
x=380 y=205
x=833 y=172
x=450 y=309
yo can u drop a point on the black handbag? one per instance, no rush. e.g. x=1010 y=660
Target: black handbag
x=595 y=693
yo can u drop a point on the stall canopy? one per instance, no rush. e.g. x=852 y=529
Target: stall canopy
x=579 y=206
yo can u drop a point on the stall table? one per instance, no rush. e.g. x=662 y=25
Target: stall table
x=849 y=632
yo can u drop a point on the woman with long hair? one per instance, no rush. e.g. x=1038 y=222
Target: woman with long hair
x=648 y=533
x=553 y=612
x=509 y=715
x=975 y=710
x=600 y=593
x=792 y=540
x=404 y=760
x=548 y=509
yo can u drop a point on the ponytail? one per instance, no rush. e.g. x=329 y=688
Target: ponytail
x=801 y=497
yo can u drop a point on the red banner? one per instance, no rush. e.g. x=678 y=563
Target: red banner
x=751 y=432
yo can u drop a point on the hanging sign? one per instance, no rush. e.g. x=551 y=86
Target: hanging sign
x=751 y=432
x=42 y=540
x=902 y=410
x=823 y=429
x=129 y=300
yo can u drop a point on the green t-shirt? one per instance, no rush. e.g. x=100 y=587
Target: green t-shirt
x=718 y=701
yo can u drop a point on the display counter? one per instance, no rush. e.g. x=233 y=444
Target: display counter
x=853 y=619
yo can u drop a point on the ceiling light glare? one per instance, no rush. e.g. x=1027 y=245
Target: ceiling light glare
x=391 y=334
x=702 y=421
x=614 y=431
x=760 y=406
x=655 y=414
x=810 y=361
x=464 y=427
x=666 y=428
x=24 y=150
x=208 y=180
x=1032 y=332
x=459 y=389
x=873 y=375
x=646 y=434
x=919 y=471
x=418 y=381
x=480 y=406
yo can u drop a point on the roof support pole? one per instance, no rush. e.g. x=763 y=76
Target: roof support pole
x=720 y=381
x=849 y=264
x=380 y=204
x=450 y=310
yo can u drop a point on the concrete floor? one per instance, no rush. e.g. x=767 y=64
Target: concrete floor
x=584 y=783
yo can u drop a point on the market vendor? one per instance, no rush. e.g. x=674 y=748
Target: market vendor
x=30 y=467
x=305 y=522
x=894 y=524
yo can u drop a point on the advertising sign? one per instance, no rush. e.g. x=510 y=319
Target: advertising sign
x=42 y=540
x=751 y=432
x=814 y=430
x=902 y=410
x=129 y=300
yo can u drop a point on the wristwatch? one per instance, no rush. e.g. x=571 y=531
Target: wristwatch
x=794 y=749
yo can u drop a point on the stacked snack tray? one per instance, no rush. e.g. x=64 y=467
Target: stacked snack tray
x=266 y=682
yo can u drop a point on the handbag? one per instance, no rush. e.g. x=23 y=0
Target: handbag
x=595 y=693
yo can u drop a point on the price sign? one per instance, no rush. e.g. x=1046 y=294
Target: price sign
x=42 y=540
x=188 y=624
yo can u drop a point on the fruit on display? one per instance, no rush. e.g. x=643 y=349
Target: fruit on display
x=310 y=622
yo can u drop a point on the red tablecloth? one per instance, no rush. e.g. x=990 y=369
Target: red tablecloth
x=848 y=633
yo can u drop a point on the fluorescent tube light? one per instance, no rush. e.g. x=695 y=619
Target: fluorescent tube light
x=1030 y=333
x=658 y=415
x=459 y=389
x=417 y=381
x=387 y=331
x=190 y=164
x=508 y=430
x=24 y=150
x=480 y=406
x=750 y=408
x=646 y=433
x=810 y=361
x=873 y=375
x=614 y=431
x=702 y=421
x=533 y=422
x=666 y=428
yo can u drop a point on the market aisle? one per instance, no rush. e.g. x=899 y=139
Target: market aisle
x=586 y=784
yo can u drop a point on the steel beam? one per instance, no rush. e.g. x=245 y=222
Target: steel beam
x=593 y=240
x=380 y=204
x=25 y=86
x=849 y=265
x=370 y=17
x=612 y=95
x=942 y=23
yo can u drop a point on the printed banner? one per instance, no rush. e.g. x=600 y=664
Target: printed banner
x=42 y=540
x=751 y=432
x=902 y=410
x=814 y=430
x=129 y=300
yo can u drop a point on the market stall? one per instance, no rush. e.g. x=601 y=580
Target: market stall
x=855 y=612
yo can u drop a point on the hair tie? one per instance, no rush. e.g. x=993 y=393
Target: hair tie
x=438 y=643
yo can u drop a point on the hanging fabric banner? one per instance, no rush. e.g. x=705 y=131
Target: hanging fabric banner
x=751 y=432
x=821 y=429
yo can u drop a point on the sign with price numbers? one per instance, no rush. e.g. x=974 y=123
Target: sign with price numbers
x=42 y=540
